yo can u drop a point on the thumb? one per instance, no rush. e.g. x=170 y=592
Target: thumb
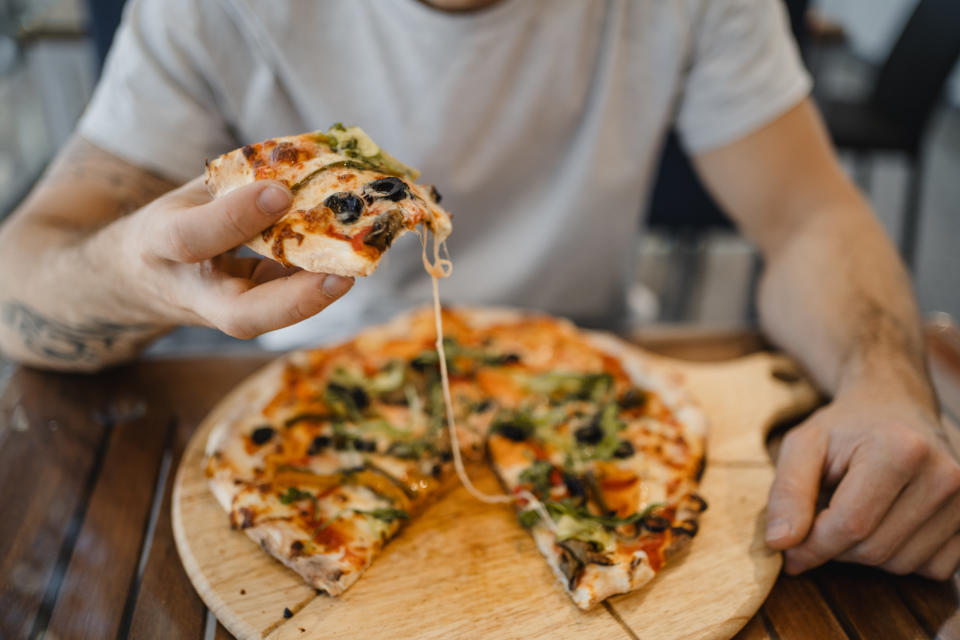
x=793 y=496
x=188 y=231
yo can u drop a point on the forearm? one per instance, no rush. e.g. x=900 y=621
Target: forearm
x=836 y=295
x=64 y=303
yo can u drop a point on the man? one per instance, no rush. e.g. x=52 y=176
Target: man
x=541 y=121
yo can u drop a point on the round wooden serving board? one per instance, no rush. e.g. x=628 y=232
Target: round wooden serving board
x=467 y=569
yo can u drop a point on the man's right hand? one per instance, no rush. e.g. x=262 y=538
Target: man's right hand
x=176 y=262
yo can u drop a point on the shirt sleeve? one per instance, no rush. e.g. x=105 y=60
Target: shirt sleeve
x=153 y=106
x=745 y=71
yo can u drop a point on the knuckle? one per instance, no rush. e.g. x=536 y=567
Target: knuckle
x=855 y=527
x=872 y=554
x=178 y=244
x=299 y=311
x=234 y=222
x=950 y=479
x=912 y=450
x=784 y=491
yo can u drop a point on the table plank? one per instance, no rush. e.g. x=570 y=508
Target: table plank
x=110 y=538
x=754 y=630
x=50 y=446
x=796 y=610
x=221 y=633
x=167 y=605
x=860 y=593
x=936 y=605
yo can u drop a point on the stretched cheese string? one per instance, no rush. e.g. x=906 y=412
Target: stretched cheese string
x=444 y=267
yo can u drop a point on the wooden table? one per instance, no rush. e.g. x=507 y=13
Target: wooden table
x=87 y=551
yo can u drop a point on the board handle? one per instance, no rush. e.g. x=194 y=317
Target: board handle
x=744 y=399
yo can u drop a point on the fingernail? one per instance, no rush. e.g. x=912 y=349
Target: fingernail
x=336 y=286
x=778 y=529
x=274 y=200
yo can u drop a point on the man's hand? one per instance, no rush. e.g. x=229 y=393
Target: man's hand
x=835 y=295
x=177 y=262
x=104 y=256
x=896 y=488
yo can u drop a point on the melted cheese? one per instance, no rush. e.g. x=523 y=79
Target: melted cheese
x=441 y=268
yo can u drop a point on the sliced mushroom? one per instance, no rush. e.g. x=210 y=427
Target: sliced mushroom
x=586 y=552
x=570 y=567
x=385 y=228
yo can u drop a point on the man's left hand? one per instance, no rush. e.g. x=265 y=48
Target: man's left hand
x=895 y=483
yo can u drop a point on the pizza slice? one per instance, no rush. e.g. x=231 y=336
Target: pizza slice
x=603 y=462
x=351 y=199
x=332 y=450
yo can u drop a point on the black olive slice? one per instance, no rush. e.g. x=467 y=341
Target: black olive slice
x=656 y=524
x=319 y=444
x=512 y=431
x=357 y=394
x=484 y=405
x=574 y=486
x=365 y=445
x=632 y=398
x=589 y=434
x=391 y=188
x=623 y=450
x=261 y=435
x=699 y=501
x=345 y=206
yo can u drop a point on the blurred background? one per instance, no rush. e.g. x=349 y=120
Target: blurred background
x=886 y=78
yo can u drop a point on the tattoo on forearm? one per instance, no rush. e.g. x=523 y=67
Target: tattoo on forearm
x=91 y=342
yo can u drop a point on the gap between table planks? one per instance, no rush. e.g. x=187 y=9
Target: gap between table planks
x=466 y=567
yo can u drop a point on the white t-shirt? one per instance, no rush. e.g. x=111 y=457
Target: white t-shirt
x=540 y=121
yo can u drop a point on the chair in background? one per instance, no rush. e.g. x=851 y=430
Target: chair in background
x=895 y=113
x=681 y=209
x=104 y=20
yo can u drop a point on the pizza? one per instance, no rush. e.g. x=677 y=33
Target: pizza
x=351 y=199
x=327 y=454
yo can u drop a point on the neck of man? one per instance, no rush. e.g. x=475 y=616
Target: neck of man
x=457 y=6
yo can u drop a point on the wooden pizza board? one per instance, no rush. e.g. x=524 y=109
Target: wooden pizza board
x=467 y=569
